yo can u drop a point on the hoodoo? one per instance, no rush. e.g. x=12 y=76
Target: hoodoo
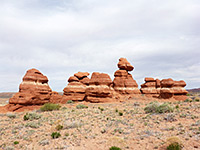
x=76 y=88
x=123 y=82
x=34 y=90
x=151 y=87
x=99 y=89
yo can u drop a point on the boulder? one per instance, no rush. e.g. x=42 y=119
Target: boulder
x=124 y=64
x=81 y=75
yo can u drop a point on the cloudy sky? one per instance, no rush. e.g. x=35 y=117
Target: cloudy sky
x=61 y=37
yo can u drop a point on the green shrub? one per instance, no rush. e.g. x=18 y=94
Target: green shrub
x=114 y=148
x=50 y=107
x=174 y=146
x=188 y=94
x=70 y=101
x=31 y=116
x=55 y=135
x=120 y=113
x=102 y=109
x=187 y=100
x=174 y=143
x=11 y=115
x=81 y=106
x=155 y=107
x=33 y=125
x=59 y=127
x=16 y=142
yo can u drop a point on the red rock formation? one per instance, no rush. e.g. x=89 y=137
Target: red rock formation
x=124 y=64
x=151 y=87
x=99 y=89
x=123 y=82
x=55 y=97
x=76 y=88
x=34 y=90
x=173 y=89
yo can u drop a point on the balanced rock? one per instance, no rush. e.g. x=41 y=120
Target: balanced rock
x=99 y=89
x=124 y=64
x=76 y=88
x=34 y=90
x=123 y=82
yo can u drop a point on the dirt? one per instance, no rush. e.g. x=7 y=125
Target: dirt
x=103 y=125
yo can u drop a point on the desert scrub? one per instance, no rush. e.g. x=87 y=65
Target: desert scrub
x=16 y=142
x=174 y=143
x=114 y=148
x=155 y=107
x=59 y=127
x=31 y=116
x=55 y=135
x=10 y=115
x=70 y=101
x=81 y=106
x=50 y=107
x=33 y=125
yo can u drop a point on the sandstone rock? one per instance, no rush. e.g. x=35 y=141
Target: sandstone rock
x=81 y=75
x=34 y=90
x=167 y=82
x=158 y=83
x=72 y=79
x=85 y=80
x=100 y=79
x=99 y=89
x=74 y=91
x=180 y=83
x=149 y=88
x=76 y=88
x=55 y=97
x=121 y=73
x=124 y=64
x=173 y=89
x=149 y=79
x=123 y=82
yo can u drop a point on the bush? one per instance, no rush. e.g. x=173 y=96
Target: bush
x=11 y=115
x=81 y=106
x=55 y=135
x=174 y=146
x=120 y=113
x=16 y=142
x=70 y=101
x=174 y=143
x=155 y=107
x=31 y=116
x=50 y=107
x=59 y=127
x=114 y=148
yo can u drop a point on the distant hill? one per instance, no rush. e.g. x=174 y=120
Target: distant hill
x=197 y=90
x=6 y=94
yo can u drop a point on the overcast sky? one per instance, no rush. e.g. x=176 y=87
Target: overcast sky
x=161 y=39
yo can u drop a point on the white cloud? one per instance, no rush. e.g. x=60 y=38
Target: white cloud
x=160 y=38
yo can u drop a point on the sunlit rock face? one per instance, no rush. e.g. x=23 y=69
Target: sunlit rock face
x=34 y=89
x=123 y=82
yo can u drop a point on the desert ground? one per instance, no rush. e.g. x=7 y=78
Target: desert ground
x=100 y=126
